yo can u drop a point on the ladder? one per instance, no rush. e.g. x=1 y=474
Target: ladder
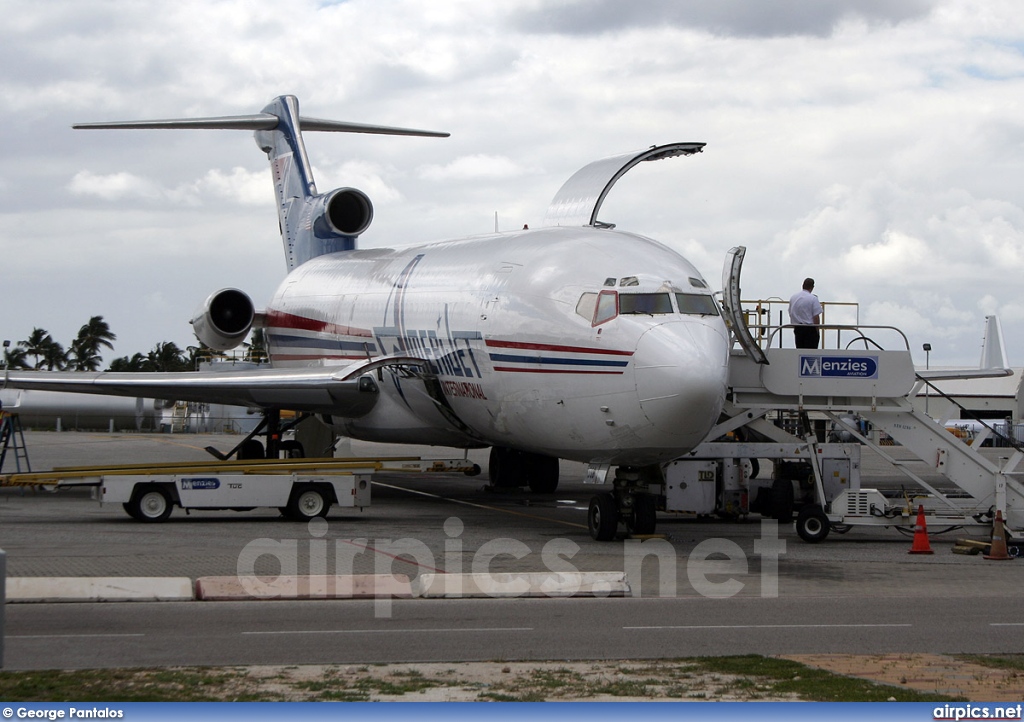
x=179 y=417
x=13 y=438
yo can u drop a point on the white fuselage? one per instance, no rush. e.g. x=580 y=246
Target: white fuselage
x=515 y=359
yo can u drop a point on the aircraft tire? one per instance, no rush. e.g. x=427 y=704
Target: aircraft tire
x=542 y=472
x=495 y=464
x=645 y=514
x=603 y=517
x=812 y=525
x=149 y=503
x=506 y=467
x=307 y=502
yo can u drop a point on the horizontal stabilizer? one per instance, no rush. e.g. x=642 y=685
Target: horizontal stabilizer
x=260 y=121
x=337 y=126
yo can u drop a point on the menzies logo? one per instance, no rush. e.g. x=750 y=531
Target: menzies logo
x=208 y=483
x=845 y=367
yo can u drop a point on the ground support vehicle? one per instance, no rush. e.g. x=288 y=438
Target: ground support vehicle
x=300 y=489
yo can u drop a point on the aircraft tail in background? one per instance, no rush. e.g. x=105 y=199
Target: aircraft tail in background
x=993 y=358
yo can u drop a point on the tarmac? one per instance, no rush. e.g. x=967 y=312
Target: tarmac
x=63 y=546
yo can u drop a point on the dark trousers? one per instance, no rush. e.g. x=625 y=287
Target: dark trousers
x=806 y=336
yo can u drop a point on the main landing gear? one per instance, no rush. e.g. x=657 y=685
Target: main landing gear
x=628 y=503
x=510 y=468
x=273 y=447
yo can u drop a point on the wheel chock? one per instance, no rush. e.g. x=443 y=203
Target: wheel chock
x=970 y=546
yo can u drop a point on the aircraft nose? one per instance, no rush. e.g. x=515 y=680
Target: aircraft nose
x=681 y=375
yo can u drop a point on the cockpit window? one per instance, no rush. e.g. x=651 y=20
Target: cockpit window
x=696 y=304
x=587 y=306
x=697 y=283
x=607 y=307
x=598 y=308
x=645 y=303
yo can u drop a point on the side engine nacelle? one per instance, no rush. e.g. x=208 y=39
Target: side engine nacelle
x=342 y=212
x=223 y=320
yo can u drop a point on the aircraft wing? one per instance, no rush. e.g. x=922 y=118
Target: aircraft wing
x=338 y=390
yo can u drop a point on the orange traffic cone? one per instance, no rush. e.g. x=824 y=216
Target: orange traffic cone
x=998 y=552
x=921 y=545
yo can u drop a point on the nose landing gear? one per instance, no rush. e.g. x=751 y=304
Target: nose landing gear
x=629 y=503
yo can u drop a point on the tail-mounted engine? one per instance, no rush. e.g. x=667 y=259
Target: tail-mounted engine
x=223 y=320
x=342 y=212
x=311 y=225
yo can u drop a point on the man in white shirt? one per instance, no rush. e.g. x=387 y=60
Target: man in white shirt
x=805 y=315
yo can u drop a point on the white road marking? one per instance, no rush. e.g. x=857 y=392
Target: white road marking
x=395 y=631
x=771 y=626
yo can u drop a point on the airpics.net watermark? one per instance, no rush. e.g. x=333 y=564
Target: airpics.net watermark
x=715 y=568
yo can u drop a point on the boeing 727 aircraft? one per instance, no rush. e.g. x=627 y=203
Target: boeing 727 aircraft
x=574 y=340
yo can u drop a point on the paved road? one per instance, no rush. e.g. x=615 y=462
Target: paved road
x=110 y=635
x=710 y=588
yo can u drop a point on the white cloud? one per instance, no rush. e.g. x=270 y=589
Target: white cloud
x=472 y=167
x=114 y=186
x=371 y=178
x=240 y=186
x=875 y=146
x=892 y=259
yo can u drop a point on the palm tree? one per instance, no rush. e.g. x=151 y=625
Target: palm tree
x=16 y=357
x=37 y=345
x=85 y=349
x=55 y=358
x=136 y=363
x=166 y=356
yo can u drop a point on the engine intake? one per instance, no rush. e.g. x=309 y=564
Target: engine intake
x=342 y=212
x=224 y=319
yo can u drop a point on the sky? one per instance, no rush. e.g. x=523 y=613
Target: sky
x=876 y=145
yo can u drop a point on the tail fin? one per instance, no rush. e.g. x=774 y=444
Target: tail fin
x=993 y=349
x=993 y=358
x=311 y=224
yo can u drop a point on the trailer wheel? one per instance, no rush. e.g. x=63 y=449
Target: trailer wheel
x=812 y=525
x=150 y=504
x=603 y=517
x=645 y=514
x=308 y=503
